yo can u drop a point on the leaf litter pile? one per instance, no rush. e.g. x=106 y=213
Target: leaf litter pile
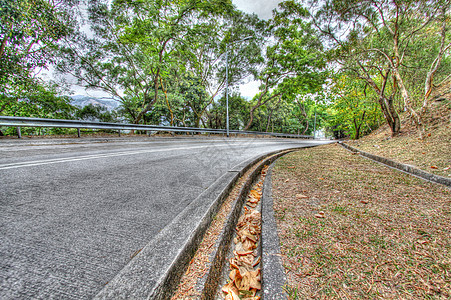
x=200 y=263
x=245 y=275
x=353 y=229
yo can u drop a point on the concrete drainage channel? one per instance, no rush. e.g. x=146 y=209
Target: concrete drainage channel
x=209 y=269
x=156 y=271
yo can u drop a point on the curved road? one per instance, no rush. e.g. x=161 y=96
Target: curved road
x=74 y=214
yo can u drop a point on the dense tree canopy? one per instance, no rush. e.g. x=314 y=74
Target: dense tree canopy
x=342 y=65
x=395 y=47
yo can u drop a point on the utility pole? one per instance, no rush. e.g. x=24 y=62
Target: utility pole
x=314 y=127
x=227 y=89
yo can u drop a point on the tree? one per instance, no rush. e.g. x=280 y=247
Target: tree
x=92 y=112
x=294 y=59
x=137 y=47
x=353 y=107
x=377 y=39
x=39 y=101
x=238 y=112
x=205 y=53
x=29 y=30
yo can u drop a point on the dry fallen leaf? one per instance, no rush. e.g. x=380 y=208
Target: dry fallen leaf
x=245 y=281
x=231 y=291
x=252 y=205
x=235 y=275
x=249 y=245
x=253 y=200
x=255 y=194
x=244 y=252
x=255 y=279
x=300 y=196
x=257 y=261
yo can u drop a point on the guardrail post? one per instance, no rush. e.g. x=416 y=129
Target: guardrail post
x=78 y=132
x=19 y=134
x=119 y=131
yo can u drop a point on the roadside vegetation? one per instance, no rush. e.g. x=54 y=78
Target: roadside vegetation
x=353 y=229
x=343 y=68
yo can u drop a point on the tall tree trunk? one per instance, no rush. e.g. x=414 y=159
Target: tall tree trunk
x=417 y=118
x=251 y=117
x=390 y=114
x=358 y=126
x=167 y=101
x=259 y=103
x=436 y=63
x=386 y=104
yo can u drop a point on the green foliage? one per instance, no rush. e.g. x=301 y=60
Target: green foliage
x=398 y=48
x=42 y=101
x=29 y=32
x=354 y=110
x=238 y=112
x=29 y=29
x=141 y=45
x=92 y=112
x=294 y=61
x=296 y=58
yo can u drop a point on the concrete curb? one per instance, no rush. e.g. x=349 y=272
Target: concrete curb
x=209 y=283
x=402 y=167
x=273 y=272
x=155 y=271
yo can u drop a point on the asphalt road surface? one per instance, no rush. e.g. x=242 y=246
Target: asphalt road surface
x=74 y=214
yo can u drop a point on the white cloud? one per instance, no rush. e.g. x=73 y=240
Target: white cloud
x=249 y=89
x=263 y=8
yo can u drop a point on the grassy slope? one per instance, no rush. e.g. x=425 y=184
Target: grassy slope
x=383 y=234
x=432 y=154
x=354 y=229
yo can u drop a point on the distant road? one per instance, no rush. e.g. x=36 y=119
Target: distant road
x=73 y=215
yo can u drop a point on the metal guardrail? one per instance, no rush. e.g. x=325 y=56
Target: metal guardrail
x=19 y=122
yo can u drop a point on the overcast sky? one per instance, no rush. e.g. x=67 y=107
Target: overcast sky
x=263 y=8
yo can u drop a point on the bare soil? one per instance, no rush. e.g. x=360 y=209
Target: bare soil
x=354 y=229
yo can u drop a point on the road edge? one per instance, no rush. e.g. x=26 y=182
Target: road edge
x=143 y=276
x=273 y=272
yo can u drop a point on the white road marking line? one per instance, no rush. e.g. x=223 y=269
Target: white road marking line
x=86 y=157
